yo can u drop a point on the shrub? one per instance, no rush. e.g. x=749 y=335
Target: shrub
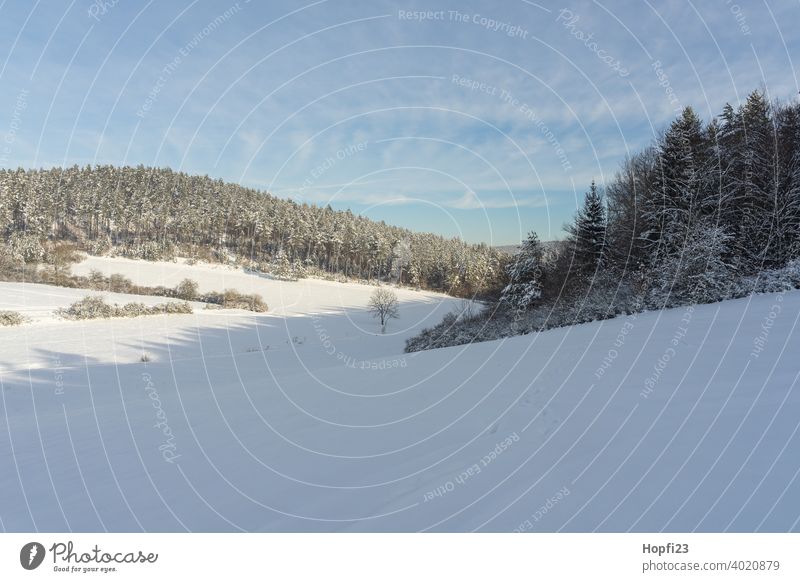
x=95 y=307
x=233 y=299
x=96 y=279
x=172 y=308
x=119 y=283
x=497 y=321
x=62 y=255
x=9 y=318
x=90 y=307
x=132 y=309
x=187 y=290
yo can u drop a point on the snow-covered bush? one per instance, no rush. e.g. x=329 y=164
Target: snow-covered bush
x=96 y=280
x=90 y=307
x=698 y=274
x=172 y=307
x=26 y=247
x=95 y=307
x=772 y=281
x=9 y=318
x=605 y=299
x=187 y=290
x=118 y=283
x=233 y=299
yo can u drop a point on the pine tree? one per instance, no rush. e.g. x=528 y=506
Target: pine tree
x=699 y=274
x=526 y=275
x=626 y=223
x=786 y=240
x=283 y=268
x=676 y=201
x=756 y=205
x=587 y=235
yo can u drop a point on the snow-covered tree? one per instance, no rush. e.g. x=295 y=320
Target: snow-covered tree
x=699 y=274
x=383 y=304
x=283 y=268
x=588 y=234
x=525 y=274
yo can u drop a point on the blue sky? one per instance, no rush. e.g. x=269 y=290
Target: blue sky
x=478 y=119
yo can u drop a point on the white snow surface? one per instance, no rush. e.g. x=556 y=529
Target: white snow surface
x=308 y=419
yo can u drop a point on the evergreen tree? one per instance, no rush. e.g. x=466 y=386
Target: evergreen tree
x=525 y=274
x=786 y=222
x=626 y=224
x=587 y=234
x=677 y=198
x=757 y=202
x=283 y=268
x=699 y=274
x=155 y=213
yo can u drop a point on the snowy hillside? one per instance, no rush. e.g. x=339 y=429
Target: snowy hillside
x=306 y=418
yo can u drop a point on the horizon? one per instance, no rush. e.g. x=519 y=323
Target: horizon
x=458 y=119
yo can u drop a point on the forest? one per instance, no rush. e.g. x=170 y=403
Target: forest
x=157 y=214
x=709 y=211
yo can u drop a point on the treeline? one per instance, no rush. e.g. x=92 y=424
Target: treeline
x=709 y=211
x=156 y=213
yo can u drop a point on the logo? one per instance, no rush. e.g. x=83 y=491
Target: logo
x=31 y=555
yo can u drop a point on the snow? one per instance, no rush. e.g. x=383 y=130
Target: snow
x=308 y=419
x=38 y=302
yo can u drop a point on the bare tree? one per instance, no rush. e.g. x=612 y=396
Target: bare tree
x=383 y=305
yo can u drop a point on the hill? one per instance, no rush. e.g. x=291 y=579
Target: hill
x=675 y=420
x=157 y=214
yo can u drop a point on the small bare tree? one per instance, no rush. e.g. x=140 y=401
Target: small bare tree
x=383 y=305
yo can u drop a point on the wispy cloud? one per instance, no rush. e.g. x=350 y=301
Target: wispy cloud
x=452 y=113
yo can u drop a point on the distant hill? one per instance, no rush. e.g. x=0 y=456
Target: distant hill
x=157 y=213
x=510 y=249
